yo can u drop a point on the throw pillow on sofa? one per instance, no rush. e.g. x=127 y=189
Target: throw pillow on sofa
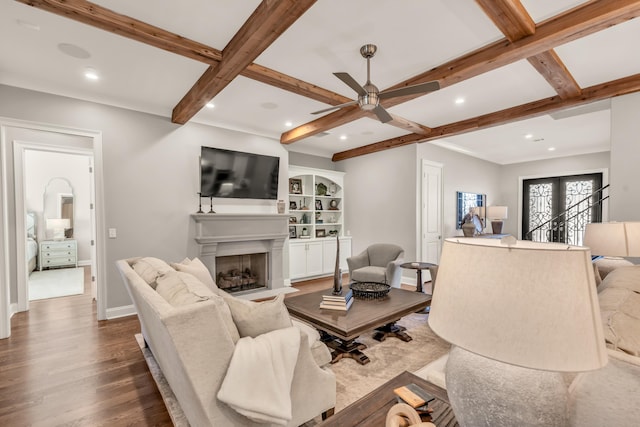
x=196 y=268
x=180 y=288
x=150 y=268
x=257 y=318
x=172 y=287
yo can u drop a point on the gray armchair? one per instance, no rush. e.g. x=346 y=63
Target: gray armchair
x=380 y=262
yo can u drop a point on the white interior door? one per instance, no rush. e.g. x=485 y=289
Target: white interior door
x=431 y=212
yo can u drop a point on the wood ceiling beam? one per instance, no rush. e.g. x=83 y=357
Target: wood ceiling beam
x=573 y=24
x=510 y=17
x=264 y=26
x=514 y=21
x=598 y=92
x=551 y=67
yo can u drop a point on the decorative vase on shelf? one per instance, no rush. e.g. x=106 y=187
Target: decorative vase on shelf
x=468 y=229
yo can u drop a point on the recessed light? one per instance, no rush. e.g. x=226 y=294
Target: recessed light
x=288 y=124
x=459 y=100
x=210 y=105
x=269 y=105
x=91 y=74
x=529 y=136
x=551 y=148
x=343 y=137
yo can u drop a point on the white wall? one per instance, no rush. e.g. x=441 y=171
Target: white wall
x=625 y=153
x=40 y=168
x=150 y=174
x=380 y=197
x=384 y=193
x=462 y=173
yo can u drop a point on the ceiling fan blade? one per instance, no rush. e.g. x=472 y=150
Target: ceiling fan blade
x=411 y=90
x=382 y=114
x=335 y=107
x=351 y=82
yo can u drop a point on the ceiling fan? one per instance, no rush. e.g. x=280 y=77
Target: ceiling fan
x=369 y=96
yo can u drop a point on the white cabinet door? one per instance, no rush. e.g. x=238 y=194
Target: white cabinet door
x=314 y=258
x=329 y=254
x=345 y=252
x=298 y=260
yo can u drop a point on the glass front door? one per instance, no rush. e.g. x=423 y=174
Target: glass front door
x=557 y=209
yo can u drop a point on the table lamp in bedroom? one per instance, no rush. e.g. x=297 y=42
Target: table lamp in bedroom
x=57 y=226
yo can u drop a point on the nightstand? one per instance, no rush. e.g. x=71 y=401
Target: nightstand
x=58 y=253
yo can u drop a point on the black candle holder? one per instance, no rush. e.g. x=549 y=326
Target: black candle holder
x=211 y=205
x=200 y=203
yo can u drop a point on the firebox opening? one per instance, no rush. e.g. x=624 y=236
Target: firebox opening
x=237 y=273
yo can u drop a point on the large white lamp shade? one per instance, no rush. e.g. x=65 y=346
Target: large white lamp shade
x=517 y=315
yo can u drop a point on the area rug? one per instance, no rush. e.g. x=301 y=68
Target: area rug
x=353 y=381
x=56 y=283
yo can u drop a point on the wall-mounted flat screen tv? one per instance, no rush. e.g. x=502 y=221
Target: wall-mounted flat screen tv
x=239 y=175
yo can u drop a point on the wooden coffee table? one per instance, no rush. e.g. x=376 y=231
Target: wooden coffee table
x=340 y=330
x=371 y=410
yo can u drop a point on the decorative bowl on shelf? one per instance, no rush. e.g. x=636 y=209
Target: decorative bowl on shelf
x=369 y=290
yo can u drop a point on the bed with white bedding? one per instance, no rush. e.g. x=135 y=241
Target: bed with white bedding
x=32 y=244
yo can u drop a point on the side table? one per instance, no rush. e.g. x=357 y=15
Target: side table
x=418 y=266
x=371 y=410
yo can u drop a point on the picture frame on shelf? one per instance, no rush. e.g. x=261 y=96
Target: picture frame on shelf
x=319 y=205
x=333 y=205
x=295 y=186
x=293 y=220
x=320 y=232
x=293 y=206
x=292 y=232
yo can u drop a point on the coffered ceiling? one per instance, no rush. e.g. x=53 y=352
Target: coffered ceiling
x=534 y=75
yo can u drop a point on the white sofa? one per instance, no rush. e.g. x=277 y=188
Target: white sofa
x=193 y=339
x=609 y=396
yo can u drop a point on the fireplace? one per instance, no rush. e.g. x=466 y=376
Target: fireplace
x=238 y=273
x=243 y=252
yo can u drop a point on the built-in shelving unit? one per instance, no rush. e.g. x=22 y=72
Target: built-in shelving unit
x=316 y=221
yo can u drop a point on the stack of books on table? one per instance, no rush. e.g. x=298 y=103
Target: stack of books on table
x=337 y=302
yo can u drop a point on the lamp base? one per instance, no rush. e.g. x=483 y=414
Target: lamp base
x=485 y=392
x=496 y=226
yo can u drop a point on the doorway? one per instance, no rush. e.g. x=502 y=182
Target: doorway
x=557 y=209
x=15 y=137
x=431 y=212
x=57 y=197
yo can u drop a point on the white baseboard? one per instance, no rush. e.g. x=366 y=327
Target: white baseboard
x=13 y=309
x=126 y=310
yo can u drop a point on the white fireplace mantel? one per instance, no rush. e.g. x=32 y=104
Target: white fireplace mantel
x=244 y=233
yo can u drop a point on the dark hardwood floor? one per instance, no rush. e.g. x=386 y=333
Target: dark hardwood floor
x=62 y=367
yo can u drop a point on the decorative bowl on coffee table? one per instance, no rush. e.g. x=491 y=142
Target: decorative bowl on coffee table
x=369 y=290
